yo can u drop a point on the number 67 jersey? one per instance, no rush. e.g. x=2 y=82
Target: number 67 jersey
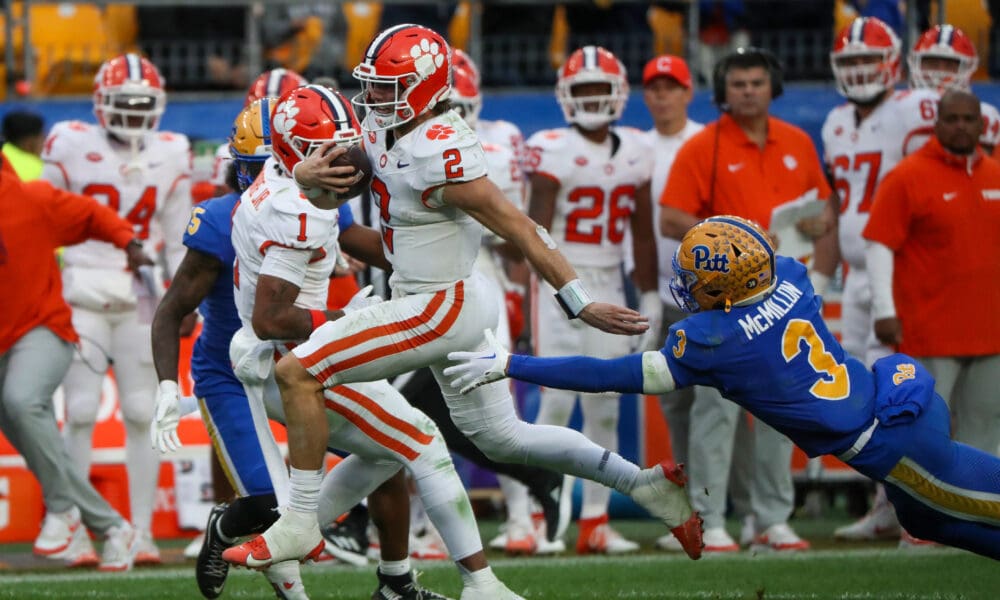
x=597 y=187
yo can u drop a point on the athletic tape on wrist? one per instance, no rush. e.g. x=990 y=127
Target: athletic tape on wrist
x=573 y=298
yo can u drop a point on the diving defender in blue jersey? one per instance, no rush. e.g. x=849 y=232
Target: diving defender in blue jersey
x=205 y=279
x=757 y=336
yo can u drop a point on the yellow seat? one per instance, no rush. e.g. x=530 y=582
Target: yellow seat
x=668 y=31
x=362 y=24
x=69 y=42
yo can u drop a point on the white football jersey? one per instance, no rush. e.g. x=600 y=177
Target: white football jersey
x=860 y=154
x=503 y=133
x=273 y=213
x=151 y=189
x=597 y=186
x=664 y=149
x=431 y=245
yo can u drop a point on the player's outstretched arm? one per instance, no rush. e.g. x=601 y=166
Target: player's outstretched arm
x=645 y=373
x=364 y=244
x=484 y=201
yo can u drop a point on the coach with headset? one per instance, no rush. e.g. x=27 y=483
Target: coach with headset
x=746 y=163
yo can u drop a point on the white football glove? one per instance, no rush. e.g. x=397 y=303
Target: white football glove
x=252 y=358
x=163 y=431
x=478 y=368
x=362 y=299
x=651 y=307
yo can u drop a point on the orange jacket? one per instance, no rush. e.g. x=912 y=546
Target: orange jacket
x=940 y=214
x=35 y=219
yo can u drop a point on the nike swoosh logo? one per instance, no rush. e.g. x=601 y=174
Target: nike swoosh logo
x=491 y=356
x=218 y=589
x=736 y=167
x=401 y=165
x=950 y=196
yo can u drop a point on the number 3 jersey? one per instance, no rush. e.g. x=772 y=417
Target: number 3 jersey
x=278 y=232
x=151 y=189
x=821 y=398
x=431 y=245
x=597 y=186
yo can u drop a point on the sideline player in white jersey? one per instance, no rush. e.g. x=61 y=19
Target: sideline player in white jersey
x=286 y=247
x=429 y=179
x=943 y=58
x=862 y=140
x=145 y=175
x=667 y=89
x=589 y=184
x=504 y=266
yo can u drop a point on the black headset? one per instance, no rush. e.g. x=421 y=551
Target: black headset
x=749 y=56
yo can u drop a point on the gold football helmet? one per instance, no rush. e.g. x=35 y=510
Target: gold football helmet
x=721 y=262
x=250 y=141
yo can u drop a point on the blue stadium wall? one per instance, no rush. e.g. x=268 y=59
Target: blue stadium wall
x=805 y=105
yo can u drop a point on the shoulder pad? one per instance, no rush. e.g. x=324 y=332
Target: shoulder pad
x=443 y=131
x=548 y=139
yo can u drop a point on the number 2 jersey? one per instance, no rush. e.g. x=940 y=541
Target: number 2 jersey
x=431 y=245
x=151 y=189
x=777 y=359
x=597 y=187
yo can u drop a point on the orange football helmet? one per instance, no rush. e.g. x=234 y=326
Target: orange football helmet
x=273 y=84
x=865 y=59
x=128 y=96
x=722 y=261
x=307 y=117
x=415 y=63
x=592 y=64
x=465 y=96
x=944 y=57
x=461 y=60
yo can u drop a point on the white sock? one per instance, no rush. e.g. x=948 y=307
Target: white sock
x=476 y=578
x=394 y=567
x=304 y=496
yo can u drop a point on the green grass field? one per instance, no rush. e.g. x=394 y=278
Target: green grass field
x=830 y=571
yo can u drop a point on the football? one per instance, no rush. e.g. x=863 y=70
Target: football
x=357 y=158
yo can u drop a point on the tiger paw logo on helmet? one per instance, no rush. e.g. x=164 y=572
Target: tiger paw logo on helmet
x=439 y=132
x=283 y=120
x=427 y=57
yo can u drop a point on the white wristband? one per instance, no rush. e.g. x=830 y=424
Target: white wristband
x=573 y=298
x=168 y=386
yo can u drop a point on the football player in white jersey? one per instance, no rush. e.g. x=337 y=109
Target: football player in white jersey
x=126 y=163
x=429 y=180
x=286 y=247
x=589 y=184
x=667 y=89
x=503 y=145
x=943 y=58
x=862 y=140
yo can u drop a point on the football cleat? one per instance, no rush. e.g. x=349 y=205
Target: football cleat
x=598 y=537
x=660 y=490
x=120 y=546
x=58 y=531
x=492 y=590
x=348 y=540
x=879 y=523
x=286 y=580
x=718 y=541
x=519 y=540
x=909 y=542
x=294 y=536
x=211 y=571
x=402 y=587
x=779 y=537
x=146 y=551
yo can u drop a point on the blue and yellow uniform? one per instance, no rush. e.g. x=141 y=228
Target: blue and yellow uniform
x=777 y=359
x=224 y=404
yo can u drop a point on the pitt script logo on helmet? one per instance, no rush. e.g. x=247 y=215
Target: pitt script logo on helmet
x=592 y=64
x=413 y=62
x=250 y=141
x=306 y=118
x=721 y=262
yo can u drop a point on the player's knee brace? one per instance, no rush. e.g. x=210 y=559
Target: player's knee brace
x=249 y=515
